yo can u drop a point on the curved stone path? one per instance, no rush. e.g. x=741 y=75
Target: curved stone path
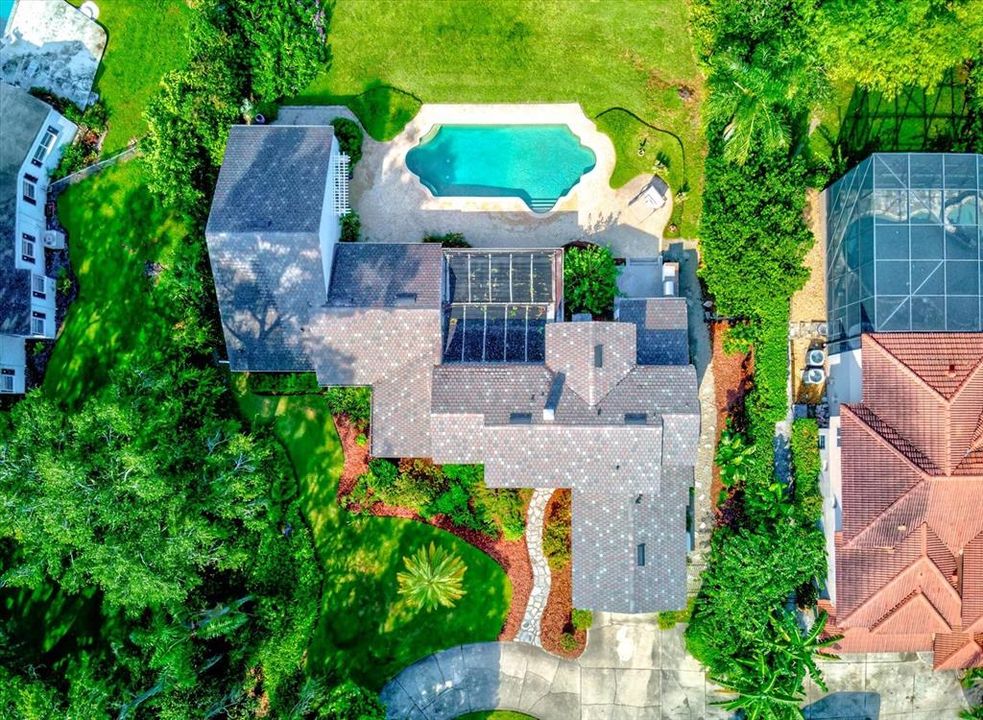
x=541 y=578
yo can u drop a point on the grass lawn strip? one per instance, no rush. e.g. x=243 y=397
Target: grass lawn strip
x=146 y=39
x=365 y=628
x=115 y=228
x=602 y=55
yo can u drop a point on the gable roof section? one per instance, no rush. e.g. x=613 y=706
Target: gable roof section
x=593 y=356
x=23 y=117
x=910 y=556
x=386 y=275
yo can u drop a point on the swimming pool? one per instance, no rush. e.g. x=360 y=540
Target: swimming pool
x=537 y=163
x=6 y=10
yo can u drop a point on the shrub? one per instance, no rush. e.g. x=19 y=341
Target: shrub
x=349 y=136
x=351 y=227
x=568 y=642
x=282 y=383
x=349 y=701
x=668 y=619
x=806 y=466
x=355 y=402
x=556 y=532
x=582 y=619
x=448 y=240
x=505 y=507
x=590 y=280
x=361 y=440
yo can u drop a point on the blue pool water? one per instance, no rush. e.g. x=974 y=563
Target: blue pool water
x=6 y=9
x=536 y=163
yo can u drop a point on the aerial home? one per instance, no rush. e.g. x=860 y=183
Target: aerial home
x=904 y=448
x=30 y=146
x=469 y=359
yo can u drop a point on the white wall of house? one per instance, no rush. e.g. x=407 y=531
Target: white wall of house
x=845 y=385
x=12 y=361
x=329 y=230
x=32 y=195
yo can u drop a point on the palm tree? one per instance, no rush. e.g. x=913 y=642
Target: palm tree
x=433 y=578
x=761 y=691
x=803 y=650
x=757 y=99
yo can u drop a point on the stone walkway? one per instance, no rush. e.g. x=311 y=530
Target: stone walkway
x=632 y=670
x=541 y=578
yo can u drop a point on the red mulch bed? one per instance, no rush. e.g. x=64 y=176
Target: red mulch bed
x=559 y=605
x=732 y=379
x=512 y=555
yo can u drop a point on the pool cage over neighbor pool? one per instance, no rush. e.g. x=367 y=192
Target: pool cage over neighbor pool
x=903 y=246
x=497 y=304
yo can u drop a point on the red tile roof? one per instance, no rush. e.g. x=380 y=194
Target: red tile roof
x=909 y=559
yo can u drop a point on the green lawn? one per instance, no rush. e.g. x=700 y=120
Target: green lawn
x=365 y=628
x=147 y=38
x=496 y=715
x=612 y=54
x=114 y=228
x=856 y=122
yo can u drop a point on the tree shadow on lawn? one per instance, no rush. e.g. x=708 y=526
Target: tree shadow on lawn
x=365 y=628
x=115 y=228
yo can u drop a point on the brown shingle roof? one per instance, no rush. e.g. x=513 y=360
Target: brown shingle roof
x=910 y=556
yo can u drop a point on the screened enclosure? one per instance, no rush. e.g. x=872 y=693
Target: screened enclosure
x=903 y=246
x=497 y=305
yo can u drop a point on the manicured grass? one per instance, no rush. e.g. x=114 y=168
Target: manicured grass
x=856 y=122
x=365 y=628
x=147 y=38
x=115 y=227
x=600 y=54
x=496 y=715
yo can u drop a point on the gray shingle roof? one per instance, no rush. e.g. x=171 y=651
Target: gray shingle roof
x=607 y=530
x=273 y=180
x=386 y=275
x=22 y=118
x=594 y=356
x=662 y=331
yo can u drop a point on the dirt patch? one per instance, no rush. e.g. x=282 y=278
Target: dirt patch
x=556 y=621
x=809 y=304
x=732 y=374
x=512 y=555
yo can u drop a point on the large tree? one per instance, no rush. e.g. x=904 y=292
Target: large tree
x=886 y=45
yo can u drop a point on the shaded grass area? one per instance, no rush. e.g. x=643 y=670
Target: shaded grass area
x=857 y=122
x=115 y=227
x=601 y=55
x=146 y=39
x=365 y=628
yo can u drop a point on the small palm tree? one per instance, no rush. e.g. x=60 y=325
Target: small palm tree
x=804 y=649
x=733 y=457
x=434 y=578
x=760 y=691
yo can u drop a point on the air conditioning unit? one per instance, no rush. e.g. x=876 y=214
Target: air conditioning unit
x=814 y=376
x=54 y=239
x=816 y=357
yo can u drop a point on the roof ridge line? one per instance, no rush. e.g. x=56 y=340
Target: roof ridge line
x=898 y=362
x=969 y=376
x=917 y=590
x=884 y=441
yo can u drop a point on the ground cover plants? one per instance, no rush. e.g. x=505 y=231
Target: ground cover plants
x=590 y=280
x=641 y=63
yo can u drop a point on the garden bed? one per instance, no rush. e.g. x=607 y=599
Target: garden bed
x=511 y=555
x=732 y=375
x=557 y=617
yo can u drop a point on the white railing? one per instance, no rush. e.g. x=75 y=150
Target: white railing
x=341 y=186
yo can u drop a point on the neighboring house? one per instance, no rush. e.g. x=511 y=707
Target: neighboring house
x=468 y=359
x=30 y=145
x=902 y=484
x=51 y=44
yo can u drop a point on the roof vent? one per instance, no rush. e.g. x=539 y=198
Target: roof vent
x=902 y=527
x=598 y=356
x=553 y=399
x=952 y=370
x=636 y=418
x=405 y=298
x=520 y=418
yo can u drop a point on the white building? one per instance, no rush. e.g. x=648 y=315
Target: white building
x=31 y=141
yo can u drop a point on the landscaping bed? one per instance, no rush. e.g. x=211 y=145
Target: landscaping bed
x=732 y=374
x=557 y=632
x=512 y=555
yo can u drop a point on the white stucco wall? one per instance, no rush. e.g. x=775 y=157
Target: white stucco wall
x=12 y=357
x=30 y=218
x=330 y=228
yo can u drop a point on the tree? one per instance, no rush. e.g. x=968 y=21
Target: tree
x=590 y=280
x=885 y=45
x=433 y=578
x=760 y=689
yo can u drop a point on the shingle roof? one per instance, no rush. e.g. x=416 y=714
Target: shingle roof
x=909 y=560
x=594 y=356
x=23 y=116
x=386 y=275
x=273 y=180
x=662 y=336
x=264 y=245
x=607 y=530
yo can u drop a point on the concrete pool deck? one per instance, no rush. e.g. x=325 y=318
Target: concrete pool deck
x=394 y=206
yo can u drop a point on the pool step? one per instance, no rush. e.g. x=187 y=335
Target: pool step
x=542 y=204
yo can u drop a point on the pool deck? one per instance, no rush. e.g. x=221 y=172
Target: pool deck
x=394 y=206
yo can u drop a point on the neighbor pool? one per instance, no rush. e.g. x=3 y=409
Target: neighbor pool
x=537 y=163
